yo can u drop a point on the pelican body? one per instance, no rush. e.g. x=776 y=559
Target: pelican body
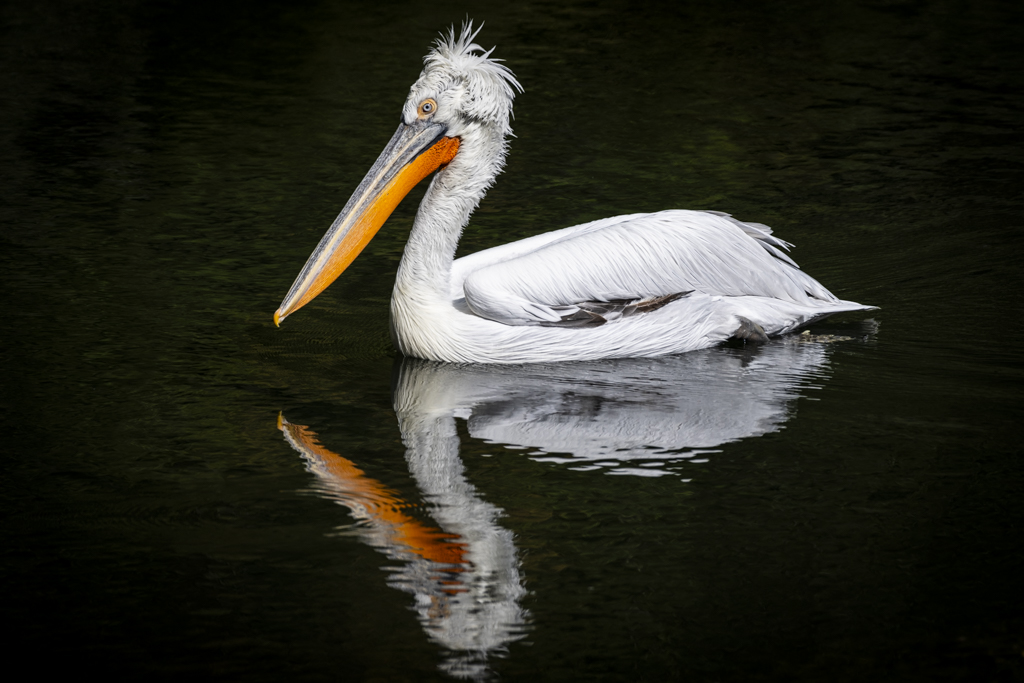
x=628 y=286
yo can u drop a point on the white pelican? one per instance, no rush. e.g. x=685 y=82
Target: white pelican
x=628 y=286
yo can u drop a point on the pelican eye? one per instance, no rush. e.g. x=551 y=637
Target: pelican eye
x=427 y=108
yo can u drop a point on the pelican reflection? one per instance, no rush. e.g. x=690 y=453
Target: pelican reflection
x=651 y=417
x=462 y=568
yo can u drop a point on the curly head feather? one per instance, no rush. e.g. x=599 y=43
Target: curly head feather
x=476 y=85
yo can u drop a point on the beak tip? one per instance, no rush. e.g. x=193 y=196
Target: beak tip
x=277 y=318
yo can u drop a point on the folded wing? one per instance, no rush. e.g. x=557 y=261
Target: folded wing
x=630 y=265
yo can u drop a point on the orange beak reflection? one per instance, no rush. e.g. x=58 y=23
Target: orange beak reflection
x=384 y=508
x=414 y=152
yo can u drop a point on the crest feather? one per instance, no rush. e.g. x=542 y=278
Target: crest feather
x=490 y=85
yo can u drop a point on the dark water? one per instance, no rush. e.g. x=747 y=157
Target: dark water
x=846 y=511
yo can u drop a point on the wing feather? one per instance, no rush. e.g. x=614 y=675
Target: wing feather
x=545 y=280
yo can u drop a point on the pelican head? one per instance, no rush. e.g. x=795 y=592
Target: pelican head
x=457 y=119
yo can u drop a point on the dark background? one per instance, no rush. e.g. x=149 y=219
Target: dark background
x=167 y=167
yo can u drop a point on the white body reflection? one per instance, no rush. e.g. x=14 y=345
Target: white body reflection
x=634 y=416
x=638 y=416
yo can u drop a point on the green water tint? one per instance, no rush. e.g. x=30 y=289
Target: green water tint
x=168 y=168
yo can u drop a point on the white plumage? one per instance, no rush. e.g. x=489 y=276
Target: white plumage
x=627 y=286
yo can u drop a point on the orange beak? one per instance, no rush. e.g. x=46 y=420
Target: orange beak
x=415 y=151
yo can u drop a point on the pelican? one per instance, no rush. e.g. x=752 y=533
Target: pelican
x=638 y=285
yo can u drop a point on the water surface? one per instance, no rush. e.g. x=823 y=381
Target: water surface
x=800 y=511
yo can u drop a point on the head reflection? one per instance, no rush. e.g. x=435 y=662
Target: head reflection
x=462 y=568
x=650 y=417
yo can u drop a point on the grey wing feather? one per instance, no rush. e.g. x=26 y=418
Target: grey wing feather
x=593 y=313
